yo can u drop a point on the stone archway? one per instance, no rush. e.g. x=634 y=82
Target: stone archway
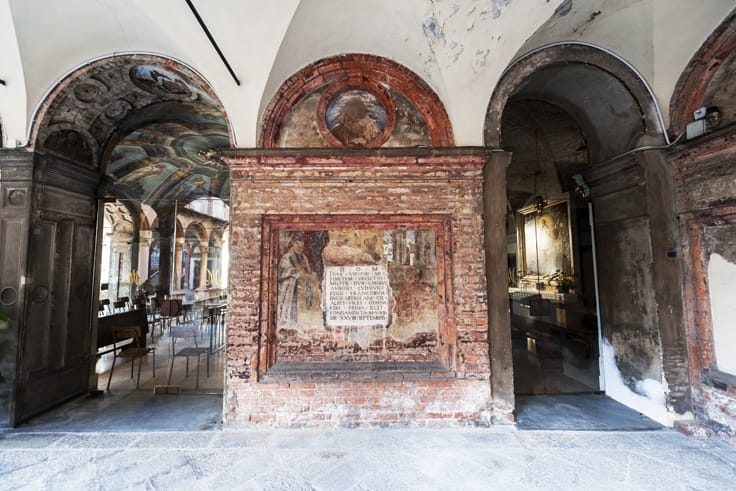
x=630 y=185
x=131 y=127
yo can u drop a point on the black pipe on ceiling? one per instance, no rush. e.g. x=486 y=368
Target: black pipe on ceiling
x=212 y=40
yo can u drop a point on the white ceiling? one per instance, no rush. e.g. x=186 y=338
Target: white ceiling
x=459 y=47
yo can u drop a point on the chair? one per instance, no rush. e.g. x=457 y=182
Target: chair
x=153 y=314
x=170 y=309
x=126 y=344
x=119 y=306
x=188 y=332
x=216 y=325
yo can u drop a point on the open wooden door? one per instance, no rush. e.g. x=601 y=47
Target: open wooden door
x=55 y=352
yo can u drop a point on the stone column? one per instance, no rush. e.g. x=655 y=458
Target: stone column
x=203 y=250
x=144 y=252
x=499 y=319
x=178 y=246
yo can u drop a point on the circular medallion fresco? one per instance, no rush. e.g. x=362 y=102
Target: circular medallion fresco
x=356 y=116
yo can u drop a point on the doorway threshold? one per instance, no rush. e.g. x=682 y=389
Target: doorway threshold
x=582 y=412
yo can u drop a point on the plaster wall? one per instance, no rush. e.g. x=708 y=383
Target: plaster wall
x=722 y=281
x=643 y=349
x=706 y=191
x=459 y=48
x=13 y=94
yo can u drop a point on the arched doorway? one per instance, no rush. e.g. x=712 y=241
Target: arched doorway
x=129 y=132
x=550 y=252
x=584 y=128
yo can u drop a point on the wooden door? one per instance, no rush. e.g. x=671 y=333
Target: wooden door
x=56 y=355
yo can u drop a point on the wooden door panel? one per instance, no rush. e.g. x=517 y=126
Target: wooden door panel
x=55 y=352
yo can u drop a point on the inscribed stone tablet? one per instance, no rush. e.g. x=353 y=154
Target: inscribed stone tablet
x=357 y=296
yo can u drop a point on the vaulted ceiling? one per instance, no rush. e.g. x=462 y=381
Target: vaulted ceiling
x=460 y=48
x=142 y=91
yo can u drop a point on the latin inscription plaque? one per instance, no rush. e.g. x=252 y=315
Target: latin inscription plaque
x=357 y=296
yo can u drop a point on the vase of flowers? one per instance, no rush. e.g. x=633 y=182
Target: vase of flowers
x=562 y=281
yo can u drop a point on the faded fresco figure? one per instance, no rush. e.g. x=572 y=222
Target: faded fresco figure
x=294 y=280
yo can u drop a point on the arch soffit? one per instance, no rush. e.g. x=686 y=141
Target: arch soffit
x=561 y=54
x=717 y=52
x=84 y=107
x=355 y=70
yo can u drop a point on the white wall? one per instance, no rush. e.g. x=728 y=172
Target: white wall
x=13 y=93
x=460 y=48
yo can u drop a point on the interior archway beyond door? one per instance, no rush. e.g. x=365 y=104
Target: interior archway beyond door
x=138 y=130
x=554 y=329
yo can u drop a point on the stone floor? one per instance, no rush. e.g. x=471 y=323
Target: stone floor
x=355 y=459
x=133 y=439
x=578 y=412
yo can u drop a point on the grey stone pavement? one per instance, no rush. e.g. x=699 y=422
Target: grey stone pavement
x=362 y=459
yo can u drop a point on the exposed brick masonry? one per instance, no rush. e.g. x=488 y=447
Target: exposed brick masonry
x=363 y=184
x=704 y=177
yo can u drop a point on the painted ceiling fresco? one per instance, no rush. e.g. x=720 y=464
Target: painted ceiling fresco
x=169 y=160
x=147 y=124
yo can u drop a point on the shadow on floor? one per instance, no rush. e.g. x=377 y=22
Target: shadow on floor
x=132 y=410
x=578 y=412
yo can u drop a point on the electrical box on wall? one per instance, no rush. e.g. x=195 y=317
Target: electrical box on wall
x=706 y=119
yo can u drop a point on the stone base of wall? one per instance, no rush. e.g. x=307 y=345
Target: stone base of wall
x=360 y=404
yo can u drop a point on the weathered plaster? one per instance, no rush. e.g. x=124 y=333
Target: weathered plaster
x=646 y=396
x=658 y=37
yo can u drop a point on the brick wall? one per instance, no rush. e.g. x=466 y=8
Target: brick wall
x=361 y=183
x=706 y=200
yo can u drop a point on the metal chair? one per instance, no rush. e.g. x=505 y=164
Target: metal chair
x=188 y=332
x=153 y=315
x=126 y=344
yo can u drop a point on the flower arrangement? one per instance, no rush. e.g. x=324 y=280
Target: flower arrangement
x=563 y=281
